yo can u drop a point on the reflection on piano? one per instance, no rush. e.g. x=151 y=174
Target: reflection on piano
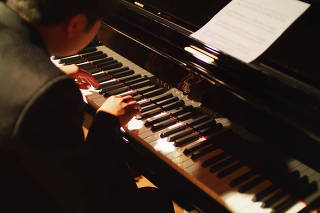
x=219 y=135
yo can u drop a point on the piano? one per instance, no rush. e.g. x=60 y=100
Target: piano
x=217 y=134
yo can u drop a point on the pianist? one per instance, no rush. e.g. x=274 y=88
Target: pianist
x=46 y=164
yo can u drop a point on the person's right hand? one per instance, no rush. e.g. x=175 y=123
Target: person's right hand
x=125 y=108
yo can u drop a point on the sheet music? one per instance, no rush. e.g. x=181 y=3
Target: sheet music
x=244 y=29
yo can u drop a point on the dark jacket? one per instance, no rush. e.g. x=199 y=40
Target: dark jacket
x=46 y=166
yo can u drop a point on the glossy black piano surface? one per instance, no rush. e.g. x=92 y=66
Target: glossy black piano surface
x=276 y=98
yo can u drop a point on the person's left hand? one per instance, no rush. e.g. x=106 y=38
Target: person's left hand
x=82 y=78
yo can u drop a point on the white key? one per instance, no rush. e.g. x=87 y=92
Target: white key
x=296 y=207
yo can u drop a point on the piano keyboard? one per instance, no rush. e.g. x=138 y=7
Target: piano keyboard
x=195 y=144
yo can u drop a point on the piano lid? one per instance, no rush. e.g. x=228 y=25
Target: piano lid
x=295 y=52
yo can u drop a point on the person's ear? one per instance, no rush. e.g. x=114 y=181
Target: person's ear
x=76 y=25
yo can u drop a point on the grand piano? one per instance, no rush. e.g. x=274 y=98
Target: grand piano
x=217 y=134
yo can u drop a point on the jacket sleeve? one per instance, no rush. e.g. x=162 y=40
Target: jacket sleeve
x=77 y=175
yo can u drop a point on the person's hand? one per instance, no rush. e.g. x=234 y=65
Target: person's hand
x=82 y=78
x=125 y=108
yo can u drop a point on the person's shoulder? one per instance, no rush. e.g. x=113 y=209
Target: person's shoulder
x=27 y=63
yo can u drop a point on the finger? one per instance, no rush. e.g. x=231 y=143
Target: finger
x=83 y=85
x=69 y=69
x=131 y=102
x=127 y=98
x=82 y=80
x=88 y=77
x=92 y=81
x=133 y=105
x=134 y=112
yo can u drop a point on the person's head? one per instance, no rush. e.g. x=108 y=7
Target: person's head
x=66 y=26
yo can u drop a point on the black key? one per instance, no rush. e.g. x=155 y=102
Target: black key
x=264 y=193
x=285 y=205
x=104 y=78
x=272 y=200
x=162 y=98
x=222 y=164
x=96 y=57
x=303 y=187
x=93 y=70
x=150 y=113
x=230 y=170
x=185 y=116
x=249 y=185
x=141 y=85
x=108 y=84
x=197 y=147
x=209 y=130
x=306 y=209
x=88 y=55
x=187 y=139
x=180 y=128
x=87 y=66
x=151 y=91
x=111 y=66
x=170 y=122
x=204 y=151
x=136 y=96
x=102 y=61
x=67 y=59
x=307 y=189
x=123 y=74
x=185 y=132
x=113 y=87
x=148 y=108
x=313 y=205
x=168 y=101
x=130 y=78
x=163 y=125
x=184 y=110
x=210 y=123
x=164 y=103
x=242 y=178
x=99 y=75
x=175 y=105
x=215 y=159
x=181 y=134
x=173 y=131
x=117 y=70
x=61 y=57
x=87 y=50
x=72 y=60
x=157 y=120
x=132 y=93
x=116 y=92
x=135 y=81
x=199 y=120
x=105 y=62
x=147 y=103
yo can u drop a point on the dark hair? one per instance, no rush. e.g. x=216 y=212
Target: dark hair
x=51 y=12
